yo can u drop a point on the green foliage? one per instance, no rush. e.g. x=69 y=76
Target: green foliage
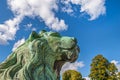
x=102 y=69
x=71 y=75
x=118 y=75
x=112 y=71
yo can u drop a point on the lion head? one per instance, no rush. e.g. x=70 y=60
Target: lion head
x=40 y=57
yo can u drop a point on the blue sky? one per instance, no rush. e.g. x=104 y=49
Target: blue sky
x=97 y=27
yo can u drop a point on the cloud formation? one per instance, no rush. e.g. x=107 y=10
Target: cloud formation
x=30 y=27
x=94 y=8
x=72 y=66
x=8 y=29
x=87 y=78
x=18 y=43
x=117 y=63
x=46 y=10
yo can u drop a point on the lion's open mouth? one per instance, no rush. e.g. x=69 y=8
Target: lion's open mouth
x=70 y=54
x=73 y=54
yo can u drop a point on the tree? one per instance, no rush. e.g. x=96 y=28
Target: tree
x=71 y=75
x=102 y=69
x=112 y=71
x=118 y=75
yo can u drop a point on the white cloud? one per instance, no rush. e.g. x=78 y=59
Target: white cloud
x=41 y=8
x=67 y=9
x=87 y=78
x=34 y=29
x=8 y=29
x=31 y=8
x=67 y=6
x=29 y=25
x=18 y=43
x=117 y=63
x=94 y=8
x=72 y=66
x=45 y=11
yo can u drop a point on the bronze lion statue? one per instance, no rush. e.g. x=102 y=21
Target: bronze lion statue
x=40 y=57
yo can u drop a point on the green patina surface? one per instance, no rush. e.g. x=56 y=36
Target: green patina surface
x=40 y=57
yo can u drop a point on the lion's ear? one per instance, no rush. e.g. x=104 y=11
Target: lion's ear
x=41 y=33
x=33 y=36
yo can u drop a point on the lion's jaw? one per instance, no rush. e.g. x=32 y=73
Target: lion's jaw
x=70 y=48
x=69 y=51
